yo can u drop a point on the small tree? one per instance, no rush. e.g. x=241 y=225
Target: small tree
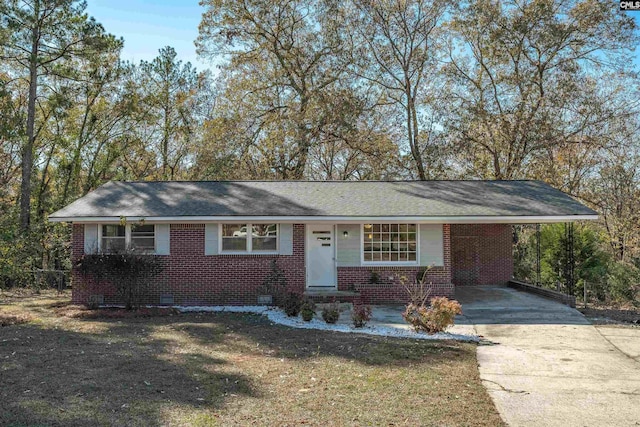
x=418 y=290
x=427 y=314
x=274 y=284
x=131 y=273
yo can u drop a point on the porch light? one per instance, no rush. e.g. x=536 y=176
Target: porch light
x=345 y=234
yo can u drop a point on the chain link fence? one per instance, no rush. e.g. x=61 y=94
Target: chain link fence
x=52 y=279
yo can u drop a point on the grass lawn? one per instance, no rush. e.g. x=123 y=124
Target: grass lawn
x=223 y=369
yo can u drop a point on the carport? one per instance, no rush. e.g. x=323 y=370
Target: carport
x=482 y=254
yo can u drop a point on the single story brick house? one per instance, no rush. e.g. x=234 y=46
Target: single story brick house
x=217 y=239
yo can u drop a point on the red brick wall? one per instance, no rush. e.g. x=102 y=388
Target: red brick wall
x=194 y=278
x=390 y=290
x=197 y=279
x=80 y=292
x=484 y=251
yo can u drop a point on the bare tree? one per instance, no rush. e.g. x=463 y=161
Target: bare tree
x=395 y=49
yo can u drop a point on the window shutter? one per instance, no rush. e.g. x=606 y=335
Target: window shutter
x=211 y=239
x=162 y=239
x=349 y=249
x=286 y=239
x=431 y=245
x=90 y=238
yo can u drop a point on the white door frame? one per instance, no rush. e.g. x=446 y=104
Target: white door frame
x=334 y=269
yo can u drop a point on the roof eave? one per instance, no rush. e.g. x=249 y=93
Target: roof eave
x=514 y=219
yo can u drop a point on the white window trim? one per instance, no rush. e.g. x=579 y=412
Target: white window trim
x=249 y=238
x=390 y=263
x=127 y=238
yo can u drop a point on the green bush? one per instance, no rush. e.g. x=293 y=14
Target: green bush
x=130 y=273
x=623 y=280
x=374 y=277
x=292 y=304
x=308 y=310
x=606 y=278
x=331 y=313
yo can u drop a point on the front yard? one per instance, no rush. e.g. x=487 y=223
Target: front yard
x=224 y=369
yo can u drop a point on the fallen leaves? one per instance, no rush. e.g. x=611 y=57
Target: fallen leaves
x=9 y=319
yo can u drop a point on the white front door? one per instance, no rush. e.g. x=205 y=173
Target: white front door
x=321 y=271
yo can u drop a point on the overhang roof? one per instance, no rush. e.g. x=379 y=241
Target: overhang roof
x=436 y=201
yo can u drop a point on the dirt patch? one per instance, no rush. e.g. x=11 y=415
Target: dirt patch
x=606 y=315
x=82 y=312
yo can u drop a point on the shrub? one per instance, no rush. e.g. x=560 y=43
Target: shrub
x=623 y=281
x=308 y=310
x=418 y=290
x=274 y=284
x=436 y=318
x=360 y=315
x=131 y=273
x=374 y=278
x=331 y=312
x=292 y=304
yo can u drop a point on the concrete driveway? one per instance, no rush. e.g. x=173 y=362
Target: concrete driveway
x=544 y=364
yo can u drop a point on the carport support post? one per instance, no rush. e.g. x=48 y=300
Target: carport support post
x=570 y=261
x=538 y=256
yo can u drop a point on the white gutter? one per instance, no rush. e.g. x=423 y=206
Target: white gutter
x=532 y=219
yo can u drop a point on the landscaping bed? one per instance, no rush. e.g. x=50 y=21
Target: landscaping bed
x=226 y=369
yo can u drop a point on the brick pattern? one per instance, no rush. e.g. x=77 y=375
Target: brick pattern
x=396 y=294
x=194 y=278
x=390 y=290
x=481 y=254
x=79 y=294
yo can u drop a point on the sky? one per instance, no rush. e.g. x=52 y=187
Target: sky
x=148 y=25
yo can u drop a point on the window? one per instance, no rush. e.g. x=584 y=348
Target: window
x=234 y=237
x=116 y=238
x=390 y=243
x=263 y=238
x=113 y=238
x=143 y=238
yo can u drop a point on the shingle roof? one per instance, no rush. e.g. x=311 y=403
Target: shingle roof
x=323 y=198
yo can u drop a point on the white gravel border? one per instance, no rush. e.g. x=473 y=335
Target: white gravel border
x=278 y=316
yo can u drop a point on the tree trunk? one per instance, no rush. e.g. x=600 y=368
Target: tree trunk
x=27 y=151
x=412 y=132
x=303 y=141
x=164 y=149
x=417 y=155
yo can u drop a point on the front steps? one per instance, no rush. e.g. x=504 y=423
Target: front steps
x=329 y=295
